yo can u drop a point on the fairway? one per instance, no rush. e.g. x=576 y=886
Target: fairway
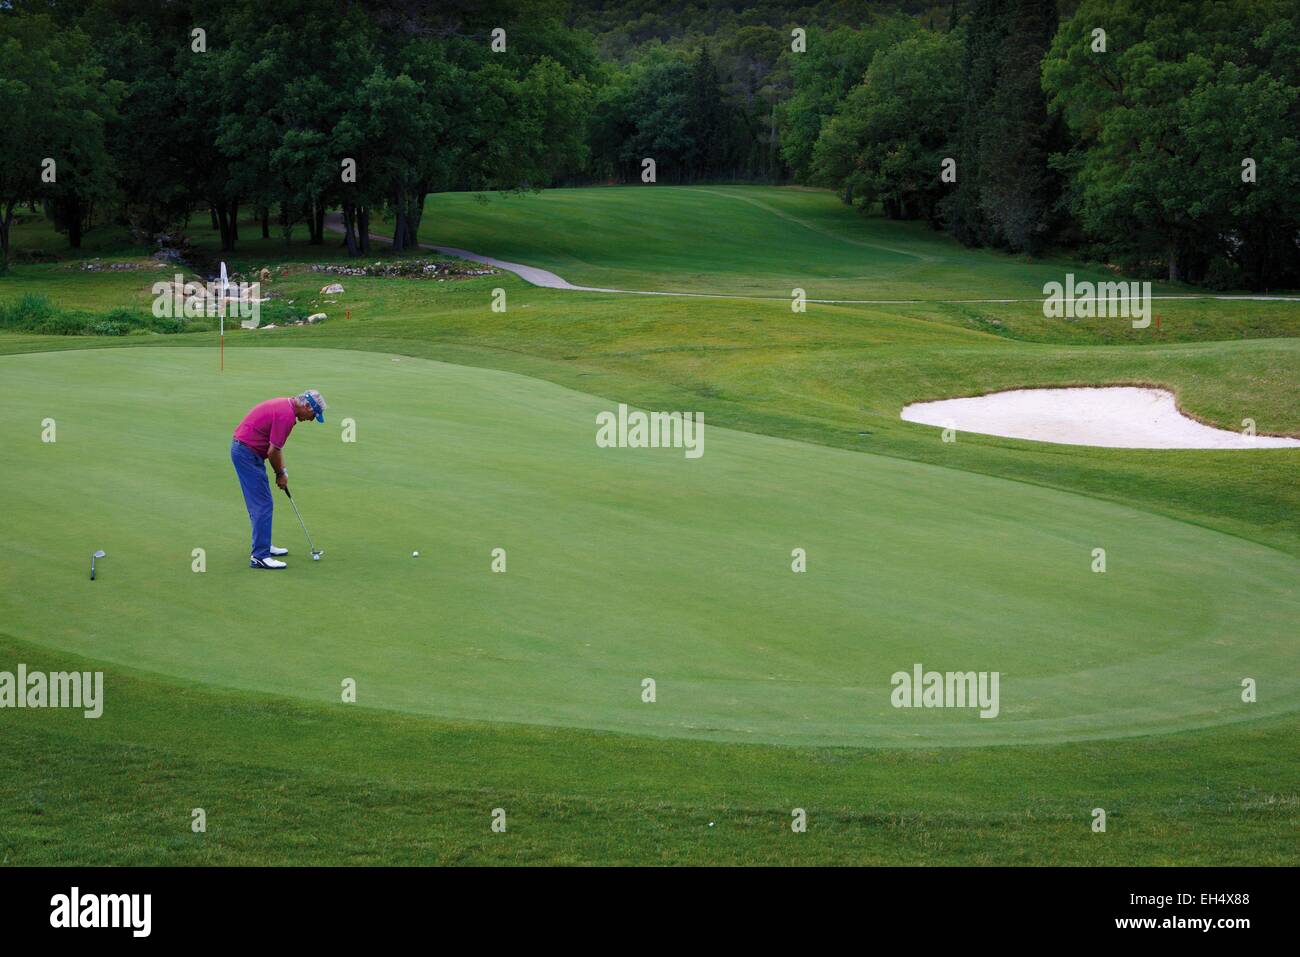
x=735 y=240
x=623 y=564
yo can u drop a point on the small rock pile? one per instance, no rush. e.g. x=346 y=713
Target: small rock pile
x=94 y=265
x=405 y=269
x=309 y=321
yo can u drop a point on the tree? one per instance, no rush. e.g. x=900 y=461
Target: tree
x=403 y=126
x=1185 y=93
x=56 y=102
x=708 y=120
x=890 y=136
x=644 y=112
x=1006 y=189
x=834 y=63
x=150 y=172
x=759 y=78
x=202 y=120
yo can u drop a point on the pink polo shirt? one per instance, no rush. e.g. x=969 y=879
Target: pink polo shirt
x=267 y=423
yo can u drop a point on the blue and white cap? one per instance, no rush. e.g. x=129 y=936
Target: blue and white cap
x=317 y=403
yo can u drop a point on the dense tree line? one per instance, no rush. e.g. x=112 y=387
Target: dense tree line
x=1162 y=136
x=1185 y=136
x=1166 y=144
x=1158 y=135
x=267 y=107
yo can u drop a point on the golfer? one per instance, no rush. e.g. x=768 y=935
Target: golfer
x=261 y=436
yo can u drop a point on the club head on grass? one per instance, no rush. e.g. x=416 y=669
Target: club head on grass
x=97 y=554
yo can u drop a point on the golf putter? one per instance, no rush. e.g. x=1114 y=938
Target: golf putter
x=316 y=553
x=97 y=554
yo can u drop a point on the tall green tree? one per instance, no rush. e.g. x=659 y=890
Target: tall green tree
x=755 y=78
x=140 y=51
x=1165 y=120
x=644 y=112
x=886 y=144
x=834 y=62
x=57 y=104
x=1006 y=191
x=411 y=128
x=708 y=119
x=1018 y=190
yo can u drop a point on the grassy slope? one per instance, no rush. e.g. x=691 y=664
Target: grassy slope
x=740 y=240
x=743 y=240
x=1211 y=796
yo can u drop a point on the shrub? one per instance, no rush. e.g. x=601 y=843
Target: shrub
x=1224 y=274
x=36 y=314
x=60 y=324
x=26 y=312
x=125 y=318
x=168 y=325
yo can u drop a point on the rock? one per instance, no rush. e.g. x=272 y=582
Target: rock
x=332 y=289
x=404 y=269
x=94 y=265
x=316 y=317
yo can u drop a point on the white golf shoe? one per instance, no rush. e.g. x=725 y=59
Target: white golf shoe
x=277 y=551
x=266 y=563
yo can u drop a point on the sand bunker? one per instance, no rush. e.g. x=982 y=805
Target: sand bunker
x=1115 y=417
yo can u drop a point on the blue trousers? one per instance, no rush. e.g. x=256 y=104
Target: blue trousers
x=257 y=495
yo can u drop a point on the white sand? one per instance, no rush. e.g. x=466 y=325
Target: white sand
x=1116 y=417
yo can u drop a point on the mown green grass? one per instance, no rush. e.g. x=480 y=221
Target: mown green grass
x=738 y=240
x=744 y=240
x=623 y=564
x=826 y=376
x=295 y=783
x=320 y=783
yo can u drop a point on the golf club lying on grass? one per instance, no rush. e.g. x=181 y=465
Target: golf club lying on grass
x=98 y=554
x=316 y=553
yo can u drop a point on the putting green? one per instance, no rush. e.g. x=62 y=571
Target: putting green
x=623 y=564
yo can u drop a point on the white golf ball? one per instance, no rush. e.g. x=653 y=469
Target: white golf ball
x=415 y=554
x=315 y=558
